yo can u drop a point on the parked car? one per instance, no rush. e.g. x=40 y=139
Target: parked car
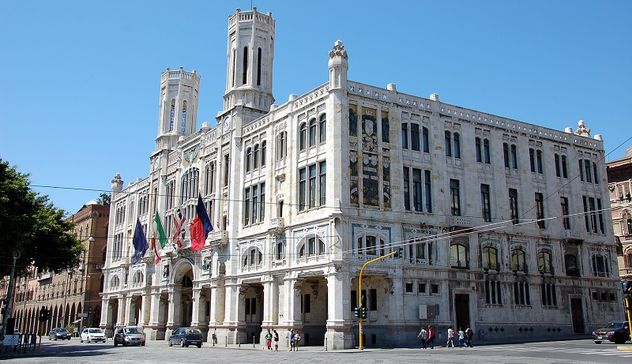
x=617 y=332
x=129 y=335
x=91 y=334
x=59 y=333
x=186 y=336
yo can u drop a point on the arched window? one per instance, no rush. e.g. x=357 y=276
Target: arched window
x=138 y=278
x=255 y=156
x=244 y=75
x=302 y=136
x=479 y=150
x=312 y=132
x=280 y=250
x=189 y=184
x=172 y=114
x=248 y=158
x=448 y=144
x=252 y=259
x=458 y=255
x=263 y=153
x=545 y=263
x=486 y=151
x=313 y=246
x=490 y=258
x=258 y=66
x=323 y=128
x=457 y=145
x=114 y=283
x=183 y=128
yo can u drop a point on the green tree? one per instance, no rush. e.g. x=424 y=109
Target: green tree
x=32 y=226
x=104 y=198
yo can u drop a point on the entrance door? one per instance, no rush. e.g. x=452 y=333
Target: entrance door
x=577 y=314
x=462 y=310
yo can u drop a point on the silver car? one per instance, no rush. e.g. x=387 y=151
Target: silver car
x=129 y=335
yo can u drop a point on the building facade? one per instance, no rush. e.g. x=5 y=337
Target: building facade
x=72 y=296
x=499 y=222
x=620 y=187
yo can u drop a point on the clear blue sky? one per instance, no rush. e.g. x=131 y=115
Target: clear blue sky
x=79 y=80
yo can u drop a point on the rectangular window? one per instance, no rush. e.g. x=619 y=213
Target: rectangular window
x=406 y=188
x=485 y=203
x=455 y=197
x=428 y=189
x=581 y=169
x=280 y=209
x=593 y=215
x=513 y=205
x=405 y=136
x=557 y=165
x=255 y=204
x=372 y=299
x=226 y=169
x=595 y=173
x=506 y=154
x=247 y=206
x=600 y=213
x=564 y=167
x=586 y=218
x=262 y=201
x=539 y=209
x=312 y=186
x=434 y=288
x=425 y=140
x=532 y=159
x=421 y=288
x=417 y=189
x=448 y=144
x=302 y=186
x=385 y=127
x=565 y=219
x=538 y=156
x=588 y=173
x=322 y=182
x=414 y=136
x=409 y=288
x=514 y=156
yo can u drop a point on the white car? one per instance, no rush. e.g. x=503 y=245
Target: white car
x=91 y=334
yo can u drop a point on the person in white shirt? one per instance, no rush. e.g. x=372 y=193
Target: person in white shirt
x=450 y=342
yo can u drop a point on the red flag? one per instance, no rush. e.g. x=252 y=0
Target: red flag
x=153 y=245
x=197 y=234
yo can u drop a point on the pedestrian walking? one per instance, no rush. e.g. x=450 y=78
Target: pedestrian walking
x=423 y=334
x=431 y=336
x=269 y=340
x=297 y=340
x=461 y=337
x=450 y=342
x=276 y=340
x=292 y=339
x=469 y=334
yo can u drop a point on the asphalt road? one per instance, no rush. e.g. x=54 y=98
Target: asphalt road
x=558 y=352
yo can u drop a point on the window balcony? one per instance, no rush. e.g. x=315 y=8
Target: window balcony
x=459 y=222
x=218 y=238
x=277 y=224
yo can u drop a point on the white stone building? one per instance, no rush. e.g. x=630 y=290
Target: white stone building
x=302 y=194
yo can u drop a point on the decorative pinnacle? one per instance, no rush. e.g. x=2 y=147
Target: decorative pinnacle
x=338 y=50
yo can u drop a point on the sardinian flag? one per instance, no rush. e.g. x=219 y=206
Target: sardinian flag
x=179 y=229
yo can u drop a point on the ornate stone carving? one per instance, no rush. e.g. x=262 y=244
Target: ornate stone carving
x=338 y=50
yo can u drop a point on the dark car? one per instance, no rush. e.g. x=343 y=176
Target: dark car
x=617 y=332
x=59 y=333
x=129 y=335
x=186 y=336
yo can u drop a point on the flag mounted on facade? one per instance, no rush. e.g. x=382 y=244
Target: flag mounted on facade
x=153 y=246
x=162 y=237
x=178 y=231
x=140 y=243
x=200 y=227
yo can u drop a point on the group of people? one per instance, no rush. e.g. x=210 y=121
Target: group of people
x=427 y=337
x=294 y=336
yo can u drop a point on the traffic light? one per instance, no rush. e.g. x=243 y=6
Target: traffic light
x=355 y=312
x=400 y=253
x=627 y=288
x=364 y=313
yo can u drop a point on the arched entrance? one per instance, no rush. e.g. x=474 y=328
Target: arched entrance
x=251 y=311
x=313 y=309
x=186 y=299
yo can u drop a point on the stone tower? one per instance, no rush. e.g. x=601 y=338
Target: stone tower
x=179 y=90
x=250 y=54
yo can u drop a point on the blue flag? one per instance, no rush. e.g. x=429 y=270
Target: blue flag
x=203 y=216
x=140 y=243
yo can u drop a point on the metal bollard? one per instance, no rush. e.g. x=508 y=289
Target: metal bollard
x=238 y=342
x=226 y=342
x=325 y=343
x=253 y=341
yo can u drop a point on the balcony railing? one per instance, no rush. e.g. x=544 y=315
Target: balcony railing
x=218 y=238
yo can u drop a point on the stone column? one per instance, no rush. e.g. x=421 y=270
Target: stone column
x=154 y=315
x=339 y=333
x=120 y=316
x=106 y=313
x=292 y=302
x=195 y=314
x=172 y=315
x=145 y=310
x=130 y=308
x=270 y=303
